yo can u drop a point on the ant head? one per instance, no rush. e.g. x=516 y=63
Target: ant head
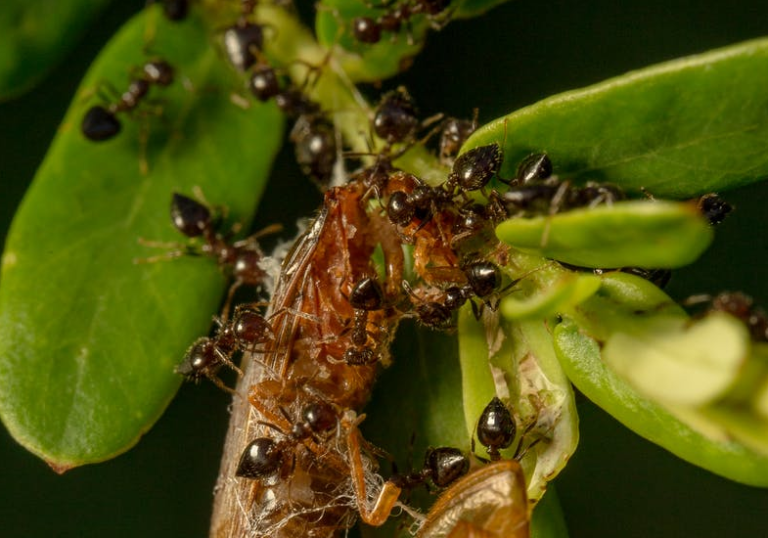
x=261 y=458
x=496 y=428
x=200 y=359
x=189 y=216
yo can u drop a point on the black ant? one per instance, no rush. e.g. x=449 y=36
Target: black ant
x=264 y=457
x=100 y=122
x=366 y=295
x=713 y=208
x=243 y=257
x=535 y=191
x=442 y=466
x=208 y=354
x=368 y=29
x=395 y=119
x=314 y=139
x=421 y=203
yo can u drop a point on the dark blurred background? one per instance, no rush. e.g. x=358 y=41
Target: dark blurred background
x=617 y=484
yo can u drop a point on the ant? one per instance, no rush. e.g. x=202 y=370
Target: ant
x=100 y=122
x=366 y=295
x=421 y=203
x=368 y=29
x=483 y=280
x=264 y=457
x=496 y=428
x=244 y=257
x=208 y=354
x=314 y=139
x=535 y=191
x=442 y=466
x=395 y=119
x=713 y=208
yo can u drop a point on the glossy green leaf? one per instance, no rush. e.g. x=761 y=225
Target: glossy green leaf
x=88 y=338
x=35 y=34
x=678 y=129
x=569 y=290
x=580 y=356
x=361 y=61
x=626 y=234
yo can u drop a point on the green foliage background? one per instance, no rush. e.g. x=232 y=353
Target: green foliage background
x=617 y=484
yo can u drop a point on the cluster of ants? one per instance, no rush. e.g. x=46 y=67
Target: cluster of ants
x=309 y=365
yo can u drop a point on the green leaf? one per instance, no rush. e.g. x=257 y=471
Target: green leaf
x=361 y=61
x=88 y=338
x=680 y=362
x=626 y=234
x=700 y=444
x=35 y=35
x=678 y=129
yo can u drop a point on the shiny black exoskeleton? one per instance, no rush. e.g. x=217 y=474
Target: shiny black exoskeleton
x=421 y=203
x=314 y=139
x=473 y=169
x=535 y=167
x=265 y=457
x=207 y=355
x=366 y=295
x=369 y=29
x=442 y=467
x=395 y=118
x=496 y=428
x=714 y=208
x=453 y=135
x=100 y=121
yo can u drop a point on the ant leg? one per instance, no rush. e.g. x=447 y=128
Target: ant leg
x=389 y=494
x=219 y=383
x=554 y=206
x=228 y=302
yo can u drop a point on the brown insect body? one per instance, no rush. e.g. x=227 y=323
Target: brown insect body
x=312 y=493
x=488 y=502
